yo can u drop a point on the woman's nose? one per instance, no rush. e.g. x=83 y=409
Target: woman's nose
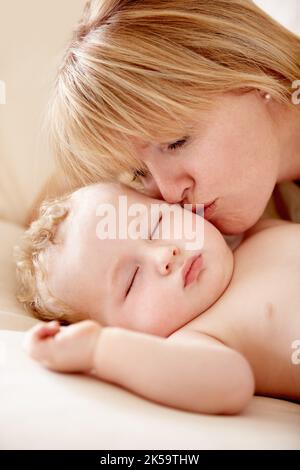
x=151 y=188
x=168 y=182
x=173 y=189
x=166 y=257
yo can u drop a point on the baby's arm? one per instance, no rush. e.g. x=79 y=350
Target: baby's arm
x=193 y=372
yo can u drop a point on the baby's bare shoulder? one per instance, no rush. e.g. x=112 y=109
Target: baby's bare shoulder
x=271 y=232
x=264 y=259
x=266 y=224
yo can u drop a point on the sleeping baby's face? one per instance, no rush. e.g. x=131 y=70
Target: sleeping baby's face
x=152 y=285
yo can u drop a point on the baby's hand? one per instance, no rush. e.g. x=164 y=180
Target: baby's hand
x=63 y=348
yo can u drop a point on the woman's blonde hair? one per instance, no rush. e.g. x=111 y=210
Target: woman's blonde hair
x=31 y=264
x=144 y=68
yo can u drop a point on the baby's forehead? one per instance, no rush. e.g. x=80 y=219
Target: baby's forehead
x=98 y=207
x=86 y=204
x=87 y=200
x=94 y=194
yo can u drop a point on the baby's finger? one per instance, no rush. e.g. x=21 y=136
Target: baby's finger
x=38 y=349
x=48 y=329
x=43 y=330
x=38 y=333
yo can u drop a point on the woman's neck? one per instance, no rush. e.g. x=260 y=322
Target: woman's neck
x=289 y=135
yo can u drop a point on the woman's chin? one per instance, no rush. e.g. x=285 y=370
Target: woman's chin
x=233 y=226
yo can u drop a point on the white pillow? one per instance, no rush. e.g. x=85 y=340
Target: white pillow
x=41 y=409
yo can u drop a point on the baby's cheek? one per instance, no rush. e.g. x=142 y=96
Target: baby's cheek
x=152 y=316
x=167 y=316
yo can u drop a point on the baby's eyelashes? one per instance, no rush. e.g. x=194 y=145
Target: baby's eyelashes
x=132 y=281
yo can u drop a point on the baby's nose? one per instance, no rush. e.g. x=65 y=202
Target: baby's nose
x=166 y=259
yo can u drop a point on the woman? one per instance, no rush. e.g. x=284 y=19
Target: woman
x=195 y=100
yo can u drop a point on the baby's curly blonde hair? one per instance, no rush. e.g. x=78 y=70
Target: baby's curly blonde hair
x=31 y=265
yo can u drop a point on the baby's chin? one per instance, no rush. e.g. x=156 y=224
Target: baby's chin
x=224 y=275
x=207 y=290
x=215 y=278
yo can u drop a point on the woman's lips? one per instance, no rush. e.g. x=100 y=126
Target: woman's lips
x=191 y=269
x=209 y=209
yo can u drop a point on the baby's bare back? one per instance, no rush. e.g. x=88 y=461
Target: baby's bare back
x=259 y=314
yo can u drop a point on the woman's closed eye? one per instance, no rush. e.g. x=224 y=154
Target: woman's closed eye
x=177 y=144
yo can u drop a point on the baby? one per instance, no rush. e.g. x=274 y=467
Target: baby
x=199 y=330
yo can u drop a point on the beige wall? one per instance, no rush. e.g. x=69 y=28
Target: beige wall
x=32 y=35
x=287 y=12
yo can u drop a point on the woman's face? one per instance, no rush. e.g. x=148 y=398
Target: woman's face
x=232 y=162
